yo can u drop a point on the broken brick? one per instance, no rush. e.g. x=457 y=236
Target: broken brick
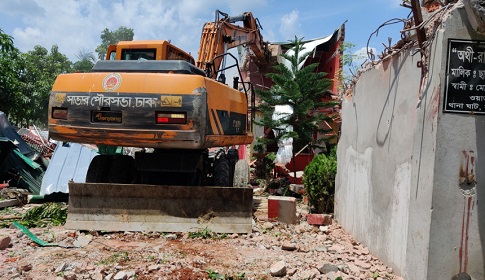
x=282 y=208
x=319 y=219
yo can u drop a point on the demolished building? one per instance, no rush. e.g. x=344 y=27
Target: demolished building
x=18 y=167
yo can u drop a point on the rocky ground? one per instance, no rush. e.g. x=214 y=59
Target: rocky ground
x=271 y=251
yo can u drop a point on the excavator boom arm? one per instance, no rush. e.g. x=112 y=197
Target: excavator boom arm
x=222 y=35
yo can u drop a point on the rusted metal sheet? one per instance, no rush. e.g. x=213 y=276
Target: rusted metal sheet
x=118 y=207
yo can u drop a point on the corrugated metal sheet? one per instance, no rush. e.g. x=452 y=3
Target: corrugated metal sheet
x=17 y=169
x=70 y=161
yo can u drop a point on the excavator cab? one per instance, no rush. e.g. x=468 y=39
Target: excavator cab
x=147 y=50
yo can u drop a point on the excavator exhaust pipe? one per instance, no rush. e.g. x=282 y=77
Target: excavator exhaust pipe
x=126 y=207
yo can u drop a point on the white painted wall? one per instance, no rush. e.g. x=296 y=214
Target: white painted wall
x=399 y=162
x=375 y=158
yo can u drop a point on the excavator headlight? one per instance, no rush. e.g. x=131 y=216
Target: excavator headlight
x=59 y=113
x=171 y=118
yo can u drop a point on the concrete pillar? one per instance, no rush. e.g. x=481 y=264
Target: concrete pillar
x=282 y=208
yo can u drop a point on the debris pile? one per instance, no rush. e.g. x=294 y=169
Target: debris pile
x=22 y=166
x=272 y=250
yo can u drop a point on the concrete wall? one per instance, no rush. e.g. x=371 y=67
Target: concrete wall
x=375 y=157
x=401 y=161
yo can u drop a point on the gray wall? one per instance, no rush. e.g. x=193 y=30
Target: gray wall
x=399 y=164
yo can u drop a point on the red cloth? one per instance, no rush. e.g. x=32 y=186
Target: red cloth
x=241 y=151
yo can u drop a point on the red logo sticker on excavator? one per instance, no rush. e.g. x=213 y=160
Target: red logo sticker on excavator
x=112 y=82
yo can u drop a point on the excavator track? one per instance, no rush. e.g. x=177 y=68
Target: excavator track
x=127 y=207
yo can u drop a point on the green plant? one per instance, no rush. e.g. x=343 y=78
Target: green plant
x=162 y=258
x=9 y=211
x=45 y=214
x=214 y=275
x=264 y=161
x=203 y=233
x=9 y=215
x=117 y=257
x=319 y=181
x=217 y=276
x=206 y=234
x=282 y=184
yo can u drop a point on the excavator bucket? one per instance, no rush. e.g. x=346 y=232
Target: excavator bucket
x=127 y=207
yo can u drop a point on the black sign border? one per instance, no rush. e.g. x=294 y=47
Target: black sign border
x=467 y=112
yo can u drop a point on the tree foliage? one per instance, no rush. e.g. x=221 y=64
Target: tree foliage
x=350 y=61
x=302 y=88
x=26 y=79
x=113 y=37
x=46 y=67
x=11 y=66
x=9 y=71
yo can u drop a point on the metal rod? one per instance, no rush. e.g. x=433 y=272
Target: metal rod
x=418 y=19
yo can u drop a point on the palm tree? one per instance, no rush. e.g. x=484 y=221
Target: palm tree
x=303 y=90
x=83 y=54
x=86 y=61
x=6 y=42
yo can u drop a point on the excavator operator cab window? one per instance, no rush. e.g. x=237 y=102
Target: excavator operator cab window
x=112 y=56
x=138 y=54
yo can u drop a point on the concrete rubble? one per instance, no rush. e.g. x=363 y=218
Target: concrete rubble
x=273 y=250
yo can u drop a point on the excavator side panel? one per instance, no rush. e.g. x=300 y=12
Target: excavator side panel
x=124 y=207
x=227 y=109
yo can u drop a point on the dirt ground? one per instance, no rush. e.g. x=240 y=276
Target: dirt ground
x=271 y=251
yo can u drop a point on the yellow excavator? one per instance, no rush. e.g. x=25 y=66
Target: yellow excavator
x=181 y=119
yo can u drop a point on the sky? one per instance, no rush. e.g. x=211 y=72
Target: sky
x=76 y=25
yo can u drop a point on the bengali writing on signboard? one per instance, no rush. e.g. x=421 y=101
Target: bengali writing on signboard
x=102 y=100
x=465 y=81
